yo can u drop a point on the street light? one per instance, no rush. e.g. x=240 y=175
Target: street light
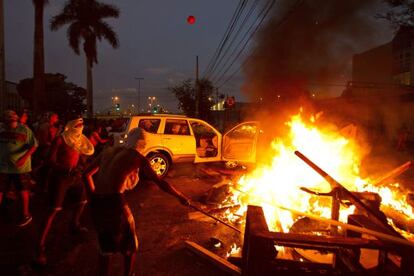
x=151 y=100
x=115 y=103
x=139 y=92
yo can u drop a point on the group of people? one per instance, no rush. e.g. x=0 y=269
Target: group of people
x=65 y=160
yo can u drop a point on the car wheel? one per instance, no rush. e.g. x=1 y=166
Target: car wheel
x=159 y=163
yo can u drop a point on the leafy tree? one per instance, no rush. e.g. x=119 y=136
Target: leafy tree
x=85 y=20
x=186 y=96
x=38 y=55
x=401 y=13
x=63 y=97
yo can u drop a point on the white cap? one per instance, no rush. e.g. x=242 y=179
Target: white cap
x=135 y=139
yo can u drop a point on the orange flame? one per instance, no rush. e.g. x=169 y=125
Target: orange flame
x=279 y=183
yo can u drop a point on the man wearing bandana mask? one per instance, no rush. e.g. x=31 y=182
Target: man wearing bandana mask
x=115 y=171
x=64 y=158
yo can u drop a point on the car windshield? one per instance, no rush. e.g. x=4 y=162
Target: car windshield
x=119 y=124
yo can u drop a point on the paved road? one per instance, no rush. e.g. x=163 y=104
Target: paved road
x=162 y=225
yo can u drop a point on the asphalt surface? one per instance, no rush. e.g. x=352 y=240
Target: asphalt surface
x=162 y=225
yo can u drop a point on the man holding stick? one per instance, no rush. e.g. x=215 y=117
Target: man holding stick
x=115 y=171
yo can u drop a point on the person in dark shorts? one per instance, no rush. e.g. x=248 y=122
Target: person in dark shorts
x=65 y=155
x=114 y=171
x=17 y=144
x=45 y=134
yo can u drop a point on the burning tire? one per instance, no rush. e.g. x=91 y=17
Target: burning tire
x=160 y=164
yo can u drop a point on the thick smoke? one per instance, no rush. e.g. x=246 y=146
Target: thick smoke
x=312 y=46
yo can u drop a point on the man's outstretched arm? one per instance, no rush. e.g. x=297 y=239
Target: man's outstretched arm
x=164 y=185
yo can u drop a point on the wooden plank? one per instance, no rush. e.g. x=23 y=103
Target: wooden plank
x=377 y=234
x=327 y=242
x=307 y=268
x=392 y=174
x=401 y=220
x=373 y=214
x=257 y=252
x=335 y=208
x=257 y=221
x=213 y=258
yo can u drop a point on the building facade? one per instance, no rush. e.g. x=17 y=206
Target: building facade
x=11 y=98
x=390 y=64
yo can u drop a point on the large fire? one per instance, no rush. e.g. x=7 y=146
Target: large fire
x=280 y=183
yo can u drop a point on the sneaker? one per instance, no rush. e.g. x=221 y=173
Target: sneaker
x=25 y=221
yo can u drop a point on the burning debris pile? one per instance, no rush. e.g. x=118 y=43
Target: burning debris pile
x=313 y=185
x=291 y=183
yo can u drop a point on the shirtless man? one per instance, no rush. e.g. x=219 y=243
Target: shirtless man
x=64 y=158
x=116 y=171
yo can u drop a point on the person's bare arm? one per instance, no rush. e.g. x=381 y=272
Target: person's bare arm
x=20 y=162
x=89 y=172
x=164 y=185
x=54 y=149
x=31 y=143
x=99 y=138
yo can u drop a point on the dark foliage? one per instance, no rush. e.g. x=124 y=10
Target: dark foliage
x=186 y=96
x=85 y=22
x=64 y=98
x=400 y=13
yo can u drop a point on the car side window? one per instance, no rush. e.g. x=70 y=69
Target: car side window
x=176 y=127
x=206 y=140
x=246 y=131
x=150 y=125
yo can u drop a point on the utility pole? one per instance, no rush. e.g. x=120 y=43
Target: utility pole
x=139 y=93
x=2 y=61
x=197 y=92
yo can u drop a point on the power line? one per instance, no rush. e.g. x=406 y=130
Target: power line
x=226 y=35
x=271 y=4
x=249 y=31
x=246 y=17
x=294 y=7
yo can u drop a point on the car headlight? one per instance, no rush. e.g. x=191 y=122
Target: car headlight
x=122 y=138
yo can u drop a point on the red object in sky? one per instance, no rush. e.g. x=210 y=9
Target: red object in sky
x=191 y=19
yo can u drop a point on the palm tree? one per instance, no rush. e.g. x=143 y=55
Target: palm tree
x=85 y=20
x=38 y=56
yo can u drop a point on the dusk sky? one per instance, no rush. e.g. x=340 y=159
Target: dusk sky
x=156 y=43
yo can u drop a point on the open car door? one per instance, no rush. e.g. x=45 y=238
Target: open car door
x=208 y=141
x=239 y=143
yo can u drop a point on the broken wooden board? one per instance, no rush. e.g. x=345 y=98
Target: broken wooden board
x=213 y=258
